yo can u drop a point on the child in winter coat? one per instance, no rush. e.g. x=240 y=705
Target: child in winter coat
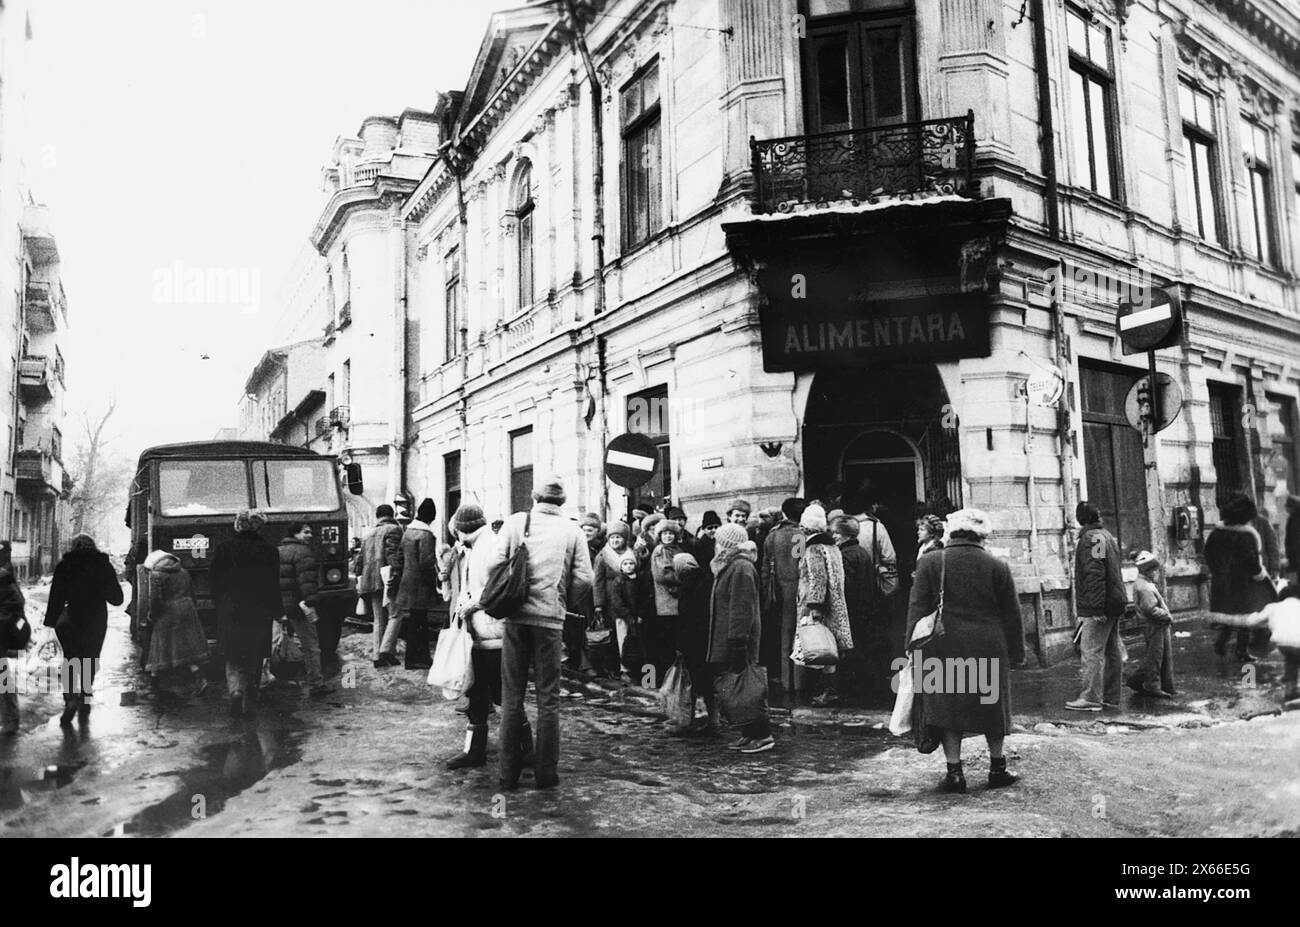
x=1156 y=675
x=659 y=630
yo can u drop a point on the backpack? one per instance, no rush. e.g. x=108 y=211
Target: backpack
x=506 y=589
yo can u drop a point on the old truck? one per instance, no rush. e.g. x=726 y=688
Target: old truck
x=184 y=498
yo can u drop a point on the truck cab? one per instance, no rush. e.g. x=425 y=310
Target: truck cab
x=184 y=498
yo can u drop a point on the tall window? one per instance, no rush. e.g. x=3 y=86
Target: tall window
x=642 y=162
x=1259 y=236
x=455 y=312
x=1113 y=455
x=521 y=469
x=523 y=208
x=1295 y=176
x=1092 y=104
x=1199 y=150
x=451 y=483
x=859 y=71
x=346 y=399
x=1282 y=431
x=1225 y=430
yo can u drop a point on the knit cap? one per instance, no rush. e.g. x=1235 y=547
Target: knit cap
x=592 y=519
x=469 y=518
x=813 y=518
x=730 y=536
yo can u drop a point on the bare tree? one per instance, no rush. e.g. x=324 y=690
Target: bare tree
x=95 y=490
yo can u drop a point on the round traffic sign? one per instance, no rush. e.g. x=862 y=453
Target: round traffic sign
x=1137 y=404
x=1150 y=324
x=631 y=460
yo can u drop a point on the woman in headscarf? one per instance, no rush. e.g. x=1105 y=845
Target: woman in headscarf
x=245 y=577
x=735 y=626
x=177 y=641
x=981 y=621
x=84 y=585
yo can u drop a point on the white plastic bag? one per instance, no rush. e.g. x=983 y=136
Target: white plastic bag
x=900 y=722
x=453 y=661
x=46 y=654
x=1284 y=622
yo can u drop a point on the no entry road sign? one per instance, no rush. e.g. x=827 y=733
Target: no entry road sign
x=631 y=460
x=1151 y=325
x=1139 y=408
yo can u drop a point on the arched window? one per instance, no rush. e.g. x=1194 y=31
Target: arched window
x=523 y=210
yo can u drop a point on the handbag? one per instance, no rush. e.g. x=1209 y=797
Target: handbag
x=287 y=660
x=929 y=628
x=453 y=660
x=15 y=633
x=506 y=589
x=814 y=644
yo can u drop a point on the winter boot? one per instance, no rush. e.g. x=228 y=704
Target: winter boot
x=70 y=705
x=527 y=756
x=475 y=754
x=998 y=775
x=955 y=781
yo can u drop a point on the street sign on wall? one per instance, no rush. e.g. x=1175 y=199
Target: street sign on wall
x=631 y=460
x=1150 y=325
x=1138 y=407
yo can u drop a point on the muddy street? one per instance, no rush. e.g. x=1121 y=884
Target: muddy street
x=368 y=761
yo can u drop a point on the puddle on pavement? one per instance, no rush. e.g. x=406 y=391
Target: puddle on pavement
x=227 y=769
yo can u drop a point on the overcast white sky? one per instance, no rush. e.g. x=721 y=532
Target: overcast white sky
x=163 y=131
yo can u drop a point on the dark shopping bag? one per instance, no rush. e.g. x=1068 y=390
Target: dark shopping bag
x=677 y=696
x=633 y=651
x=742 y=697
x=506 y=589
x=286 y=655
x=925 y=736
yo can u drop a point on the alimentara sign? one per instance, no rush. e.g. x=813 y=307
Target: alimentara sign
x=805 y=334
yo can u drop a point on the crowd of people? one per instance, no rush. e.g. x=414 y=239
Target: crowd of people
x=736 y=600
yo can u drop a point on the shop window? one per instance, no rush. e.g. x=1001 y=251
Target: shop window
x=1259 y=236
x=1229 y=447
x=1200 y=151
x=859 y=69
x=521 y=469
x=451 y=484
x=642 y=158
x=1282 y=458
x=647 y=414
x=1092 y=104
x=1113 y=461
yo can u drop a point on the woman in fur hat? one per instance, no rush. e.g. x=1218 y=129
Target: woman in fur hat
x=981 y=620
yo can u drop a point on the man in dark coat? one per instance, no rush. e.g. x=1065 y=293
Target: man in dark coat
x=780 y=591
x=704 y=546
x=245 y=578
x=1100 y=598
x=84 y=585
x=857 y=574
x=380 y=549
x=299 y=581
x=414 y=583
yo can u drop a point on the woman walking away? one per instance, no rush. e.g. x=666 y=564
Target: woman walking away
x=1239 y=583
x=981 y=620
x=469 y=573
x=821 y=591
x=14 y=635
x=84 y=585
x=735 y=625
x=177 y=642
x=245 y=577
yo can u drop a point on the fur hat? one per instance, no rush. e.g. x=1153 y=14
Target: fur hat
x=591 y=518
x=972 y=520
x=620 y=529
x=739 y=505
x=793 y=507
x=710 y=520
x=846 y=526
x=1146 y=561
x=648 y=526
x=550 y=490
x=668 y=525
x=469 y=518
x=813 y=518
x=250 y=520
x=730 y=536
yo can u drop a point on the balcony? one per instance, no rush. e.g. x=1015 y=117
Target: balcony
x=38 y=472
x=861 y=166
x=365 y=174
x=37 y=235
x=339 y=417
x=36 y=378
x=46 y=308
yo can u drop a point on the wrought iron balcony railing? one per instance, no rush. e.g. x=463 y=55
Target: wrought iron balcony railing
x=936 y=156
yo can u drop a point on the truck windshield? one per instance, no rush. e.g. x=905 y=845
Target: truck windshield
x=296 y=485
x=202 y=487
